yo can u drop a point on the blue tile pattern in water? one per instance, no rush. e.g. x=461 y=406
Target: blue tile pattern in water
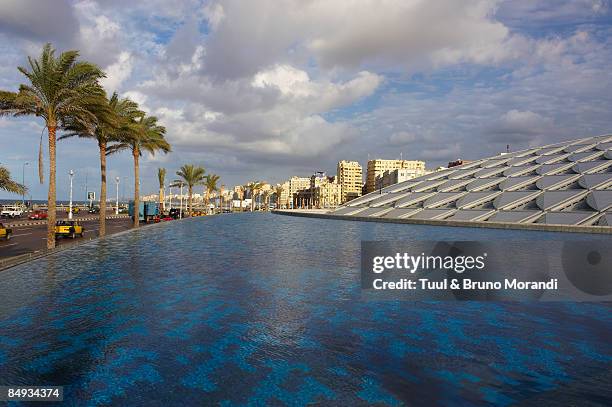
x=258 y=309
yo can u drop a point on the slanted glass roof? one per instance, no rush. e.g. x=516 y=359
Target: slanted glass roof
x=567 y=183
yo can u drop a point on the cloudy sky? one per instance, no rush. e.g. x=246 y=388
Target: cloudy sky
x=272 y=88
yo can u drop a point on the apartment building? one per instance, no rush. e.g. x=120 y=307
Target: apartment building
x=350 y=179
x=377 y=168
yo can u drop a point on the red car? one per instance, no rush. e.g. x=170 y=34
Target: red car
x=167 y=218
x=38 y=215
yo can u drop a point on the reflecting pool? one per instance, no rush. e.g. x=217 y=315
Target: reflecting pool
x=267 y=310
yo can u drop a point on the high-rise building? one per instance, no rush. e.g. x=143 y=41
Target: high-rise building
x=378 y=167
x=350 y=179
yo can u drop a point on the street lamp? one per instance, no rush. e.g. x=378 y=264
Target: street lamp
x=71 y=173
x=23 y=181
x=117 y=207
x=181 y=210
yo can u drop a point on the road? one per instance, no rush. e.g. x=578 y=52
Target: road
x=28 y=239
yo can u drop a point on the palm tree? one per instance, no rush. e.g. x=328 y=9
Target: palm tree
x=254 y=187
x=279 y=192
x=266 y=197
x=60 y=89
x=112 y=122
x=211 y=186
x=161 y=177
x=144 y=135
x=8 y=185
x=192 y=175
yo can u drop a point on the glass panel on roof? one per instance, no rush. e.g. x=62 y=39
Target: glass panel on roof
x=591 y=166
x=585 y=156
x=515 y=216
x=433 y=214
x=513 y=198
x=518 y=182
x=598 y=180
x=441 y=198
x=374 y=212
x=550 y=159
x=476 y=198
x=413 y=198
x=482 y=183
x=550 y=169
x=400 y=213
x=555 y=181
x=471 y=214
x=520 y=170
x=565 y=218
x=600 y=200
x=549 y=200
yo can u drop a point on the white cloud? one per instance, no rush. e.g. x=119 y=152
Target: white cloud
x=118 y=72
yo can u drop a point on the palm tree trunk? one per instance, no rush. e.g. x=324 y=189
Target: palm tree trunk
x=51 y=209
x=162 y=207
x=207 y=200
x=102 y=214
x=190 y=200
x=136 y=155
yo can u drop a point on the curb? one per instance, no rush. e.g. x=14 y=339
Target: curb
x=44 y=222
x=606 y=230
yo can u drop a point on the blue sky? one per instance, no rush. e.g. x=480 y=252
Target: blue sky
x=269 y=89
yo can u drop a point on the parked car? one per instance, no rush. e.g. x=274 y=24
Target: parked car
x=175 y=213
x=5 y=233
x=38 y=215
x=68 y=228
x=167 y=218
x=11 y=211
x=94 y=209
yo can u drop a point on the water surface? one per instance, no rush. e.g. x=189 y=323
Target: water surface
x=266 y=310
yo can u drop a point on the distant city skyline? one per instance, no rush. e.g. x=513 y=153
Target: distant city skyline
x=434 y=81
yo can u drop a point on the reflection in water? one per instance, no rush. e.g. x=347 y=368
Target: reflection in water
x=263 y=309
